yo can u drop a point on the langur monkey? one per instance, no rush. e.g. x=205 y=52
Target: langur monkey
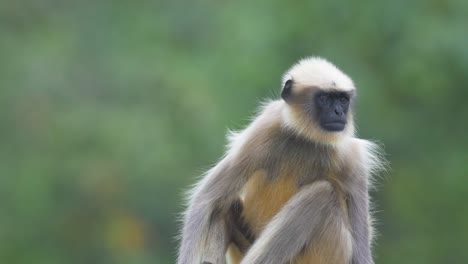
x=293 y=186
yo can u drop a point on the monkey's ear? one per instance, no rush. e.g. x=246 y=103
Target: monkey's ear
x=287 y=89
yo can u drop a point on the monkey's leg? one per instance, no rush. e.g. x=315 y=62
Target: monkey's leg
x=204 y=236
x=231 y=228
x=308 y=215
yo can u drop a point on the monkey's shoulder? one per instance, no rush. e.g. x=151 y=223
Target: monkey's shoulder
x=263 y=127
x=365 y=152
x=361 y=160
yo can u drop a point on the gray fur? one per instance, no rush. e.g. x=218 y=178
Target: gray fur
x=203 y=223
x=213 y=195
x=217 y=240
x=359 y=213
x=301 y=219
x=323 y=172
x=358 y=209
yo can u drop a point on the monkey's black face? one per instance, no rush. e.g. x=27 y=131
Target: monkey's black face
x=332 y=109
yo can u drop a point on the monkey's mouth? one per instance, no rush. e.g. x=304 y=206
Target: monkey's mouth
x=334 y=126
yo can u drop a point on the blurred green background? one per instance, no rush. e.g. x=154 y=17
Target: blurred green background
x=109 y=110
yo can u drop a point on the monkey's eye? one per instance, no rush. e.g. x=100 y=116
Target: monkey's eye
x=344 y=100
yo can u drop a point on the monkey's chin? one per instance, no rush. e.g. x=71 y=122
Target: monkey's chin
x=333 y=126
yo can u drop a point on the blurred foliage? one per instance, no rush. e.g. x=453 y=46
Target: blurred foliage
x=110 y=109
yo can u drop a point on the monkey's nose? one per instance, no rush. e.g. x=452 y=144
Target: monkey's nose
x=338 y=112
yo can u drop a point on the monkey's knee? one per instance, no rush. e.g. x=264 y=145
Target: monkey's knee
x=321 y=188
x=334 y=244
x=324 y=186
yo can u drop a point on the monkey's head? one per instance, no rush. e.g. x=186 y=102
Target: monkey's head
x=319 y=100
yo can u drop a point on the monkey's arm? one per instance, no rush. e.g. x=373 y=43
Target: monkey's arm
x=301 y=219
x=205 y=234
x=205 y=237
x=359 y=218
x=368 y=163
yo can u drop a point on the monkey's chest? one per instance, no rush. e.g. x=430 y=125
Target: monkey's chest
x=264 y=198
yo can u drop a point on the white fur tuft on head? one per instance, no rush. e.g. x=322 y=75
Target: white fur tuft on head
x=316 y=71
